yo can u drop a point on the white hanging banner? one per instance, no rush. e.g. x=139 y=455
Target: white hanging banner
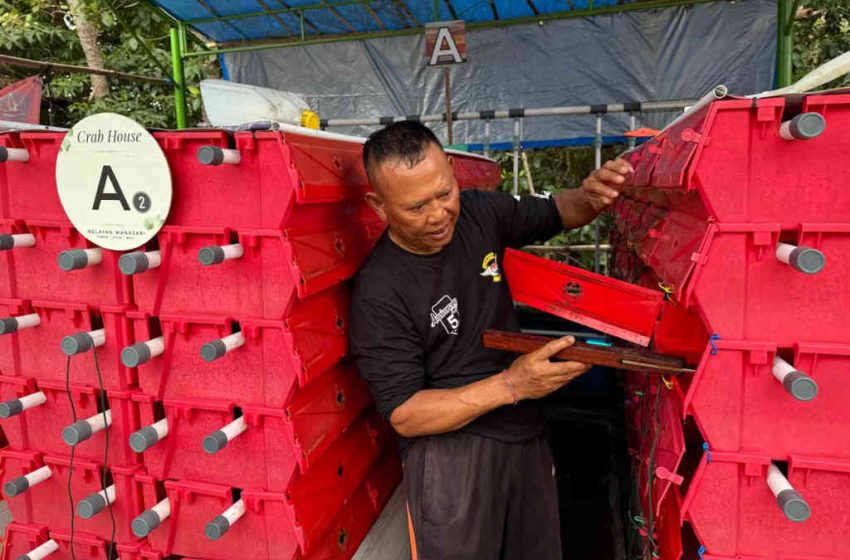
x=113 y=181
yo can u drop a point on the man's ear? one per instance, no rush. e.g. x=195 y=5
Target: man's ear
x=374 y=201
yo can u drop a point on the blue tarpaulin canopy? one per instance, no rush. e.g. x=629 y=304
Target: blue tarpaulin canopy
x=231 y=21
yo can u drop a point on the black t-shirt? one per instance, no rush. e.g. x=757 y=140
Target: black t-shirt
x=416 y=320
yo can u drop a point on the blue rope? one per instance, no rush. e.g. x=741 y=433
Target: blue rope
x=701 y=551
x=712 y=339
x=707 y=453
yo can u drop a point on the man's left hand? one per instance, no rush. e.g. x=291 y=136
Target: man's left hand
x=602 y=187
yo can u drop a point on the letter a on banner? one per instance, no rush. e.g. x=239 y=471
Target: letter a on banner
x=445 y=42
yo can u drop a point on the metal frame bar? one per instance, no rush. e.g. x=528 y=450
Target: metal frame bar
x=374 y=15
x=786 y=10
x=276 y=17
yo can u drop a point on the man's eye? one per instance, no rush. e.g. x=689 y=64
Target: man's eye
x=445 y=195
x=417 y=209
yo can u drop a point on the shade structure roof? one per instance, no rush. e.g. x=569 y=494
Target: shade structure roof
x=227 y=22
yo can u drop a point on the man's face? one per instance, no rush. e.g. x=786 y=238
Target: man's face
x=420 y=204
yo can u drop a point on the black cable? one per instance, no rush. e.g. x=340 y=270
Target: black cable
x=71 y=461
x=106 y=428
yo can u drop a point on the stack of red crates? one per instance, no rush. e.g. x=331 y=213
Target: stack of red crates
x=307 y=464
x=713 y=199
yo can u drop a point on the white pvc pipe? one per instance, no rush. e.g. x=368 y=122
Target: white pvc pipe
x=162 y=509
x=161 y=428
x=776 y=481
x=38 y=476
x=234 y=428
x=42 y=551
x=108 y=494
x=233 y=341
x=781 y=369
x=23 y=240
x=234 y=251
x=32 y=400
x=234 y=512
x=154 y=259
x=98 y=337
x=99 y=421
x=156 y=346
x=95 y=256
x=28 y=321
x=17 y=154
x=232 y=157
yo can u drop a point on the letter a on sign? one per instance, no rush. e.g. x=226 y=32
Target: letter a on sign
x=445 y=42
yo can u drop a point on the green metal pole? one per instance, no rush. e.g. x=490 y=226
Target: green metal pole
x=784 y=42
x=178 y=78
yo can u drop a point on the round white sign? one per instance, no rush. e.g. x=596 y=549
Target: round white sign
x=113 y=181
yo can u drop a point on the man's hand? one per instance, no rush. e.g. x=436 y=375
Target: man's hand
x=602 y=187
x=534 y=376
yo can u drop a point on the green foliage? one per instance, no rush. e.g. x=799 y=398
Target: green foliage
x=821 y=32
x=555 y=169
x=37 y=29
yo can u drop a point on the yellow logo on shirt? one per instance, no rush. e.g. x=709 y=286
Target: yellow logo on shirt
x=491 y=267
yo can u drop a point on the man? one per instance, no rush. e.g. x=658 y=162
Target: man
x=478 y=469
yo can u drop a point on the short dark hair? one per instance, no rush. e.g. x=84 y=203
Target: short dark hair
x=403 y=141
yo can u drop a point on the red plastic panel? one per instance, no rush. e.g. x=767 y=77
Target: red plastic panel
x=40 y=428
x=277 y=267
x=86 y=547
x=740 y=406
x=37 y=274
x=12 y=465
x=275 y=526
x=7 y=273
x=21 y=538
x=746 y=151
x=733 y=512
x=28 y=189
x=668 y=528
x=663 y=444
x=278 y=355
x=317 y=494
x=48 y=501
x=744 y=292
x=611 y=306
x=37 y=352
x=276 y=445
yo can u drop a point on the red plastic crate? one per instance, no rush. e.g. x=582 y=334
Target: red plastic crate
x=36 y=352
x=37 y=274
x=48 y=502
x=744 y=292
x=21 y=539
x=275 y=525
x=609 y=305
x=740 y=406
x=663 y=442
x=278 y=443
x=40 y=428
x=733 y=513
x=736 y=143
x=277 y=267
x=28 y=189
x=278 y=355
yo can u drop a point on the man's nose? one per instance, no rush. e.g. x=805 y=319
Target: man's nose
x=438 y=214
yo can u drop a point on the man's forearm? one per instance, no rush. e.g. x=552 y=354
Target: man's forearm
x=574 y=208
x=435 y=411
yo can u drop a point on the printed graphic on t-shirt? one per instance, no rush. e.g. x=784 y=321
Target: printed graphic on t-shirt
x=445 y=312
x=491 y=267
